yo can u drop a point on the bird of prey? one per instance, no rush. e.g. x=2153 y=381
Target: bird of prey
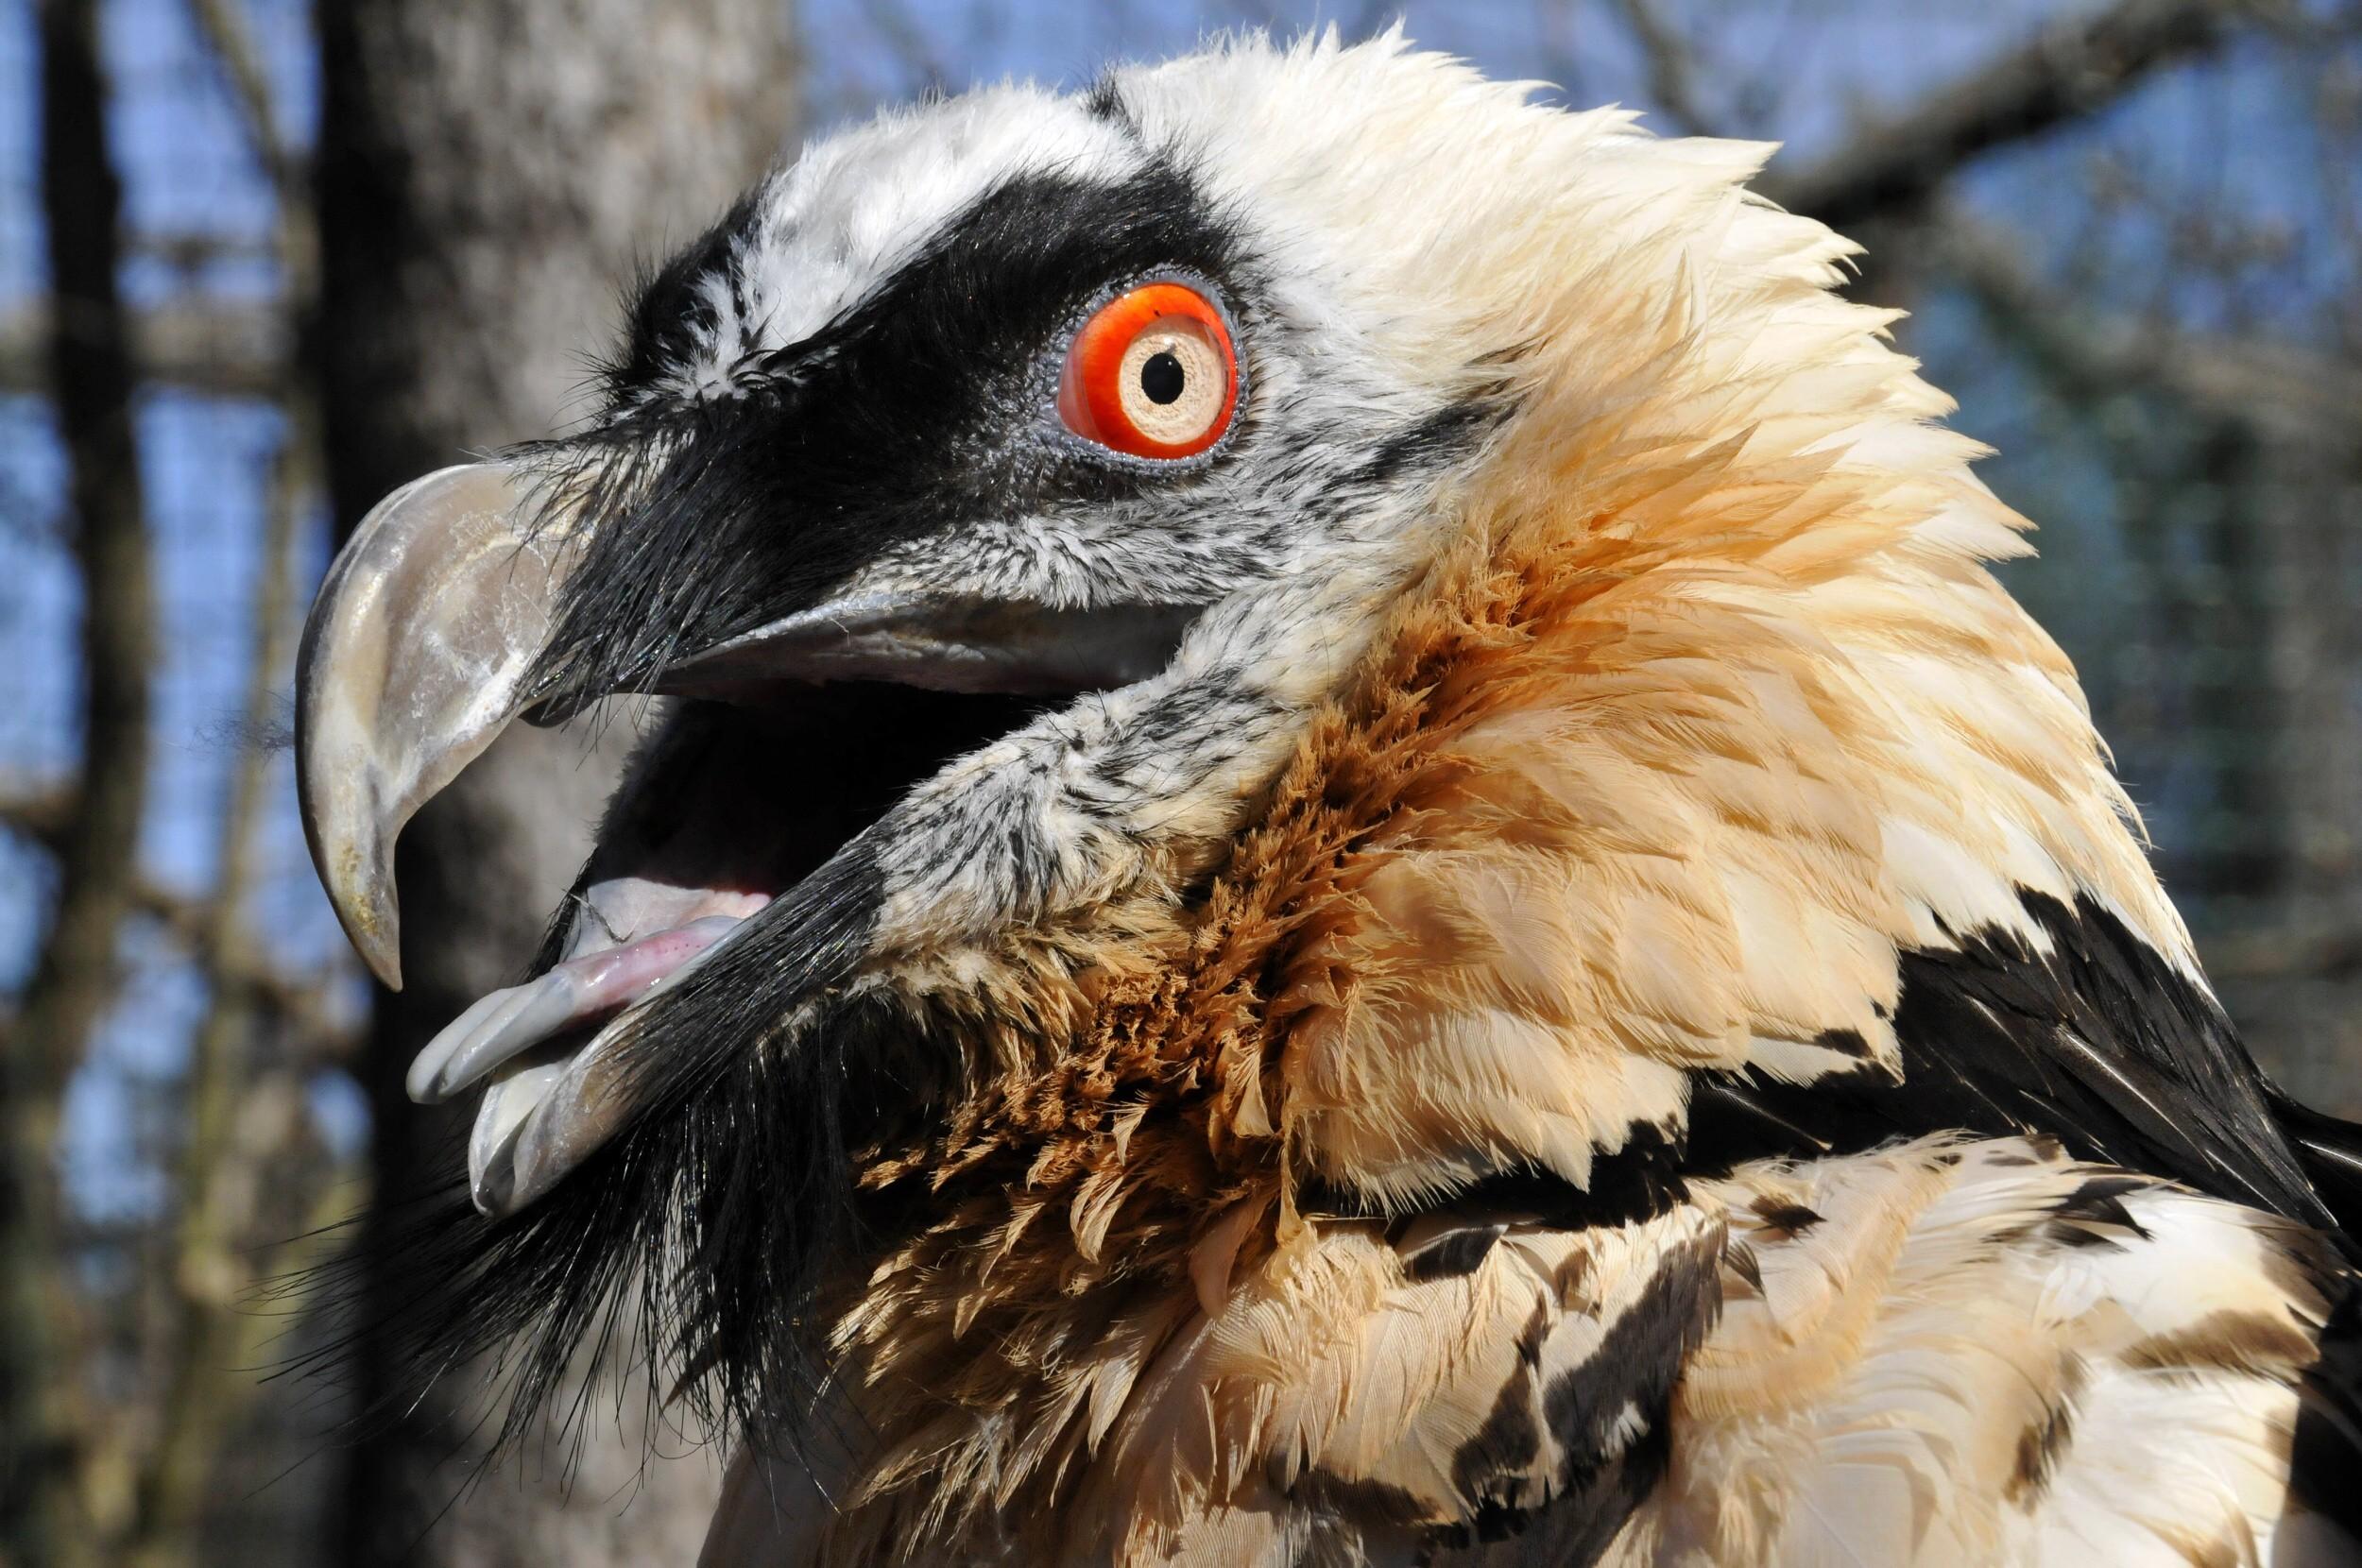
x=1348 y=861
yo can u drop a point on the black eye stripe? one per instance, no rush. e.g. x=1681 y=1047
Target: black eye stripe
x=916 y=411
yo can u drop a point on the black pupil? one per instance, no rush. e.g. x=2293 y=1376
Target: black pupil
x=1162 y=377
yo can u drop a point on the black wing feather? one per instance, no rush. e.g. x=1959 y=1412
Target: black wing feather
x=2098 y=1042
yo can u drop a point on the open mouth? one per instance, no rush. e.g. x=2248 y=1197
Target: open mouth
x=778 y=748
x=727 y=806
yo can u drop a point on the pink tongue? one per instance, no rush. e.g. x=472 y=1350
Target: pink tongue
x=505 y=1023
x=610 y=978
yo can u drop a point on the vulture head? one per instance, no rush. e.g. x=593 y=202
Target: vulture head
x=1295 y=652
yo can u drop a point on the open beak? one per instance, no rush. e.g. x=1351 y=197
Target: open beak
x=423 y=645
x=418 y=649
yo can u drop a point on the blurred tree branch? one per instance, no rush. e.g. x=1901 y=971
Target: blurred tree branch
x=2285 y=952
x=1895 y=167
x=210 y=1343
x=215 y=344
x=233 y=1130
x=1887 y=166
x=1672 y=67
x=56 y=1500
x=301 y=1000
x=40 y=812
x=1895 y=163
x=231 y=347
x=232 y=47
x=2291 y=393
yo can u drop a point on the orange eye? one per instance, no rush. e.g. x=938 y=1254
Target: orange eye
x=1152 y=374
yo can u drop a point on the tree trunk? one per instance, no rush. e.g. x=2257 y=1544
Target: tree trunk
x=489 y=175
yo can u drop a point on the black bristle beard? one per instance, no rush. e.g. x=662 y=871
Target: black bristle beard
x=695 y=1243
x=637 y=507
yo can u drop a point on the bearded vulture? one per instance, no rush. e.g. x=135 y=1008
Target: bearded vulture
x=1348 y=861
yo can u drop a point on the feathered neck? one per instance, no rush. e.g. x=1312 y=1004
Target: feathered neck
x=1710 y=713
x=1706 y=720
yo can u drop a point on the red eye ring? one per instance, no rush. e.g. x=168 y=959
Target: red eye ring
x=1152 y=374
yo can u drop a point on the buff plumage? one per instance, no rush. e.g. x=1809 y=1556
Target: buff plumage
x=1604 y=1006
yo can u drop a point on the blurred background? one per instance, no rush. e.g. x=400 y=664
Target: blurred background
x=261 y=261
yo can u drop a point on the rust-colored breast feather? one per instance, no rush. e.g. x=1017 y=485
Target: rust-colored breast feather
x=1179 y=1282
x=1577 y=1116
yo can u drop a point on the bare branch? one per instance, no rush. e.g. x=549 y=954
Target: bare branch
x=235 y=348
x=45 y=1515
x=295 y=238
x=236 y=1128
x=234 y=48
x=301 y=1002
x=219 y=1171
x=187 y=249
x=41 y=814
x=2273 y=387
x=1672 y=68
x=2318 y=951
x=1895 y=163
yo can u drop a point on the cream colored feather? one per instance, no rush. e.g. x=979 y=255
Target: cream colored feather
x=1697 y=710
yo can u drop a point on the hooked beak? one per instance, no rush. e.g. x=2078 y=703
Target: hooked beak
x=410 y=666
x=417 y=651
x=425 y=644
